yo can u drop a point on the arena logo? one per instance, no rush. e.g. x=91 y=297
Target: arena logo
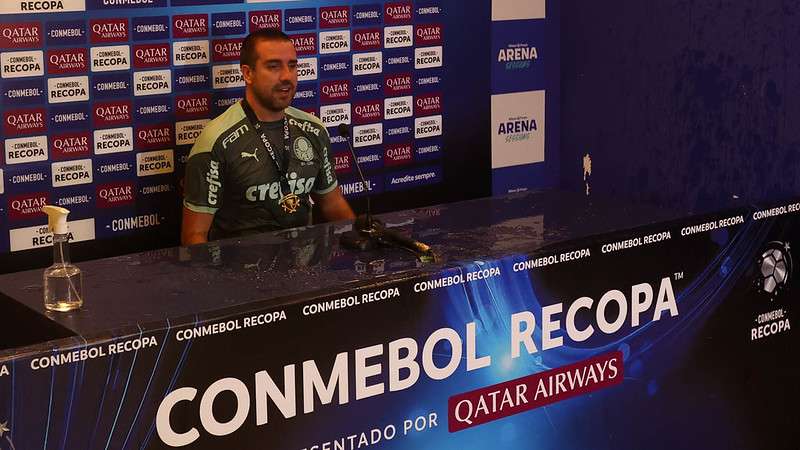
x=427 y=104
x=112 y=114
x=189 y=26
x=307 y=69
x=69 y=117
x=65 y=61
x=113 y=140
x=112 y=58
x=428 y=35
x=397 y=13
x=342 y=163
x=27 y=206
x=227 y=76
x=398 y=60
x=40 y=236
x=397 y=37
x=192 y=79
x=260 y=20
x=154 y=137
x=24 y=92
x=398 y=107
x=68 y=89
x=367 y=63
x=150 y=28
x=518 y=126
x=70 y=32
x=150 y=56
x=425 y=127
x=21 y=35
x=152 y=82
x=24 y=121
x=187 y=53
x=305 y=44
x=397 y=84
x=427 y=57
x=333 y=115
x=223 y=24
x=115 y=194
x=227 y=50
x=22 y=64
x=70 y=145
x=334 y=17
x=72 y=173
x=366 y=135
x=114 y=85
x=193 y=106
x=335 y=90
x=517 y=56
x=155 y=163
x=367 y=15
x=301 y=19
x=105 y=31
x=334 y=41
x=369 y=39
x=187 y=132
x=398 y=154
x=367 y=112
x=335 y=66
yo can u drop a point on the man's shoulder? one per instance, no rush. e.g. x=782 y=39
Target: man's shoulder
x=306 y=122
x=223 y=129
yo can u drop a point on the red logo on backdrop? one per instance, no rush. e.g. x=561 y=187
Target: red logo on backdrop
x=427 y=104
x=115 y=194
x=398 y=154
x=260 y=20
x=190 y=25
x=70 y=145
x=154 y=137
x=397 y=84
x=27 y=206
x=342 y=162
x=369 y=39
x=397 y=13
x=484 y=405
x=334 y=17
x=24 y=121
x=367 y=112
x=108 y=30
x=305 y=44
x=428 y=35
x=193 y=106
x=309 y=109
x=69 y=60
x=21 y=35
x=112 y=113
x=150 y=55
x=337 y=90
x=227 y=49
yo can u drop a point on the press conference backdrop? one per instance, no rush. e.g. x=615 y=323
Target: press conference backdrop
x=103 y=99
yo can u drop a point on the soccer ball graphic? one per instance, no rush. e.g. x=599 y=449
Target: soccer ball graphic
x=775 y=268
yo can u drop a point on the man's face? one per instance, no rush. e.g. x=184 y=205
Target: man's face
x=273 y=78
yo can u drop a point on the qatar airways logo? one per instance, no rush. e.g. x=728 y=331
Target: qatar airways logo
x=24 y=121
x=428 y=104
x=27 y=206
x=112 y=114
x=190 y=25
x=70 y=145
x=334 y=17
x=150 y=56
x=399 y=154
x=226 y=50
x=398 y=12
x=70 y=60
x=193 y=106
x=103 y=31
x=335 y=90
x=428 y=35
x=260 y=20
x=305 y=44
x=369 y=39
x=21 y=35
x=342 y=162
x=115 y=194
x=154 y=137
x=367 y=112
x=397 y=84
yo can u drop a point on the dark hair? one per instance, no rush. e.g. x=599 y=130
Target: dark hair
x=248 y=54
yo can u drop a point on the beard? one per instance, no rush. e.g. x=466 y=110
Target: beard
x=271 y=99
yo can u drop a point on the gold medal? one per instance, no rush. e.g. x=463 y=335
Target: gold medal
x=290 y=203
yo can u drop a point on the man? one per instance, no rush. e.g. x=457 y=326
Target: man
x=254 y=167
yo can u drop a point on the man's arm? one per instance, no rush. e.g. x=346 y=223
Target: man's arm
x=195 y=226
x=333 y=206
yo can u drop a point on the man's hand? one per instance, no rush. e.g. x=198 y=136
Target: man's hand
x=195 y=226
x=333 y=206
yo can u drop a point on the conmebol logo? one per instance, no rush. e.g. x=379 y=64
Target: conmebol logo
x=226 y=50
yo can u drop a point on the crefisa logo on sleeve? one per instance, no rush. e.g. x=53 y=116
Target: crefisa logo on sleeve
x=21 y=35
x=70 y=32
x=226 y=49
x=397 y=84
x=155 y=163
x=305 y=44
x=334 y=17
x=190 y=52
x=190 y=25
x=23 y=92
x=24 y=121
x=112 y=85
x=70 y=145
x=27 y=206
x=72 y=173
x=227 y=76
x=333 y=115
x=22 y=64
x=150 y=28
x=68 y=89
x=428 y=35
x=193 y=106
x=152 y=137
x=111 y=58
x=192 y=79
x=365 y=135
x=150 y=56
x=152 y=82
x=337 y=90
x=112 y=114
x=427 y=104
x=260 y=20
x=115 y=194
x=67 y=60
x=366 y=15
x=334 y=41
x=105 y=31
x=301 y=19
x=397 y=13
x=69 y=116
x=307 y=69
x=226 y=24
x=113 y=140
x=368 y=39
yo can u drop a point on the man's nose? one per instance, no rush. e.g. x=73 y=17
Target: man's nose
x=286 y=73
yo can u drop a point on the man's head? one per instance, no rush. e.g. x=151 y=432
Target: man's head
x=269 y=66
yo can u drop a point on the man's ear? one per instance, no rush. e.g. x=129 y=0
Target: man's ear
x=247 y=73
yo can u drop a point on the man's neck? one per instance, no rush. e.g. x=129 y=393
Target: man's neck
x=263 y=114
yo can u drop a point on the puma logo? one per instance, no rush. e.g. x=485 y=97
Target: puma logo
x=251 y=155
